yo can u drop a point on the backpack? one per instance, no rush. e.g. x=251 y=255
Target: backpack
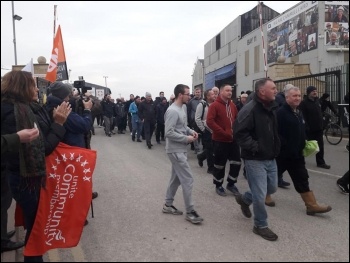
x=194 y=124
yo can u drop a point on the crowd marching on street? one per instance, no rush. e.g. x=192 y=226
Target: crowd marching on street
x=263 y=133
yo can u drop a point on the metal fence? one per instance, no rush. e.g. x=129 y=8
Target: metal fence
x=335 y=82
x=327 y=82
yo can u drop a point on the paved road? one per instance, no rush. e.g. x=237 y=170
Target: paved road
x=129 y=225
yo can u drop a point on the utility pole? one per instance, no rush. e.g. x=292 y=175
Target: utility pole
x=105 y=80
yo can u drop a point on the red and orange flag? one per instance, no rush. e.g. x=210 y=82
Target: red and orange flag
x=64 y=202
x=57 y=70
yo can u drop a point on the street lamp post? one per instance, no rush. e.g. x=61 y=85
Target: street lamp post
x=105 y=80
x=18 y=18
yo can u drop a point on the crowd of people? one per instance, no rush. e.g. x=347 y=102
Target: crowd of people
x=263 y=131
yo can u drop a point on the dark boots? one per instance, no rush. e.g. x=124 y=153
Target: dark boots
x=149 y=145
x=312 y=207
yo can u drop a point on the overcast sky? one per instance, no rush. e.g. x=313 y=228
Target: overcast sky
x=140 y=46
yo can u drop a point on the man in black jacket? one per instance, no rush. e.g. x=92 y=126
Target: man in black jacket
x=255 y=131
x=147 y=114
x=311 y=109
x=108 y=113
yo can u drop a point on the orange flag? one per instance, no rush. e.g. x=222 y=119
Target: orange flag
x=64 y=202
x=57 y=69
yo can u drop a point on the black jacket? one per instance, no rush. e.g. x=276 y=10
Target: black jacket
x=255 y=131
x=160 y=111
x=291 y=130
x=53 y=132
x=108 y=108
x=312 y=113
x=147 y=111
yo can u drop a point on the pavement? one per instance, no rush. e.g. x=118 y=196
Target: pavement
x=129 y=226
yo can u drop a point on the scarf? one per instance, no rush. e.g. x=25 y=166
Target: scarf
x=32 y=154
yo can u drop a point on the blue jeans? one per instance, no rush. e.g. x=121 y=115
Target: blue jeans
x=262 y=180
x=136 y=127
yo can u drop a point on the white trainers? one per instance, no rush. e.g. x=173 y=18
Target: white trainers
x=171 y=210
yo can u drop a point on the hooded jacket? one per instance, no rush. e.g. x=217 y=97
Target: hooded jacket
x=220 y=119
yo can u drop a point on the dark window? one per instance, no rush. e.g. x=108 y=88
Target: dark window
x=218 y=42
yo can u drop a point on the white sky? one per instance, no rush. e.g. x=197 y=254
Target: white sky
x=140 y=46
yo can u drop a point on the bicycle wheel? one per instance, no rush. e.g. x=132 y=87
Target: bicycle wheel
x=333 y=134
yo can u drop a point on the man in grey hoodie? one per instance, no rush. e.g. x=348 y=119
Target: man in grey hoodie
x=178 y=136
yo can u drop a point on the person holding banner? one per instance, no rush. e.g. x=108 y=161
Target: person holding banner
x=26 y=170
x=77 y=126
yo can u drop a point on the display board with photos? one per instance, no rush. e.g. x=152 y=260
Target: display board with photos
x=294 y=32
x=336 y=26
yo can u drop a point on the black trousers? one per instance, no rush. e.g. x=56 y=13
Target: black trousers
x=318 y=136
x=208 y=150
x=344 y=179
x=224 y=151
x=148 y=126
x=6 y=200
x=160 y=131
x=297 y=171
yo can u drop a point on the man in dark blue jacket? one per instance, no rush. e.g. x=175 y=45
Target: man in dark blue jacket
x=291 y=130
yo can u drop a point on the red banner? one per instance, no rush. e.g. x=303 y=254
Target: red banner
x=64 y=202
x=57 y=69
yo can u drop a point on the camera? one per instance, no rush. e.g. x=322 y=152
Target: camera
x=81 y=88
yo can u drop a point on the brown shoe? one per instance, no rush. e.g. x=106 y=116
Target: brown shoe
x=269 y=201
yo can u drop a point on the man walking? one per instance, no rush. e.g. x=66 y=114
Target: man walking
x=255 y=130
x=147 y=114
x=291 y=130
x=311 y=109
x=178 y=136
x=222 y=114
x=201 y=121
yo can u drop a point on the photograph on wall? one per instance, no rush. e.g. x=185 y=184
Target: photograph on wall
x=293 y=32
x=336 y=26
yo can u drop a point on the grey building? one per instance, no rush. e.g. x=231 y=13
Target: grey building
x=300 y=35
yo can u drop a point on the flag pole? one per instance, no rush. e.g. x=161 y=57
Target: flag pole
x=54 y=22
x=262 y=37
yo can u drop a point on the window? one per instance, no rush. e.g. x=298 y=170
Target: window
x=218 y=42
x=246 y=65
x=257 y=59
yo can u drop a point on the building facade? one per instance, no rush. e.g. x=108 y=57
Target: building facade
x=312 y=32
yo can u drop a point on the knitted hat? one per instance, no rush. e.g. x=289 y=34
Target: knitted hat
x=148 y=94
x=310 y=89
x=60 y=90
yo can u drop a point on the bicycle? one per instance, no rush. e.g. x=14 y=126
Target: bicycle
x=332 y=130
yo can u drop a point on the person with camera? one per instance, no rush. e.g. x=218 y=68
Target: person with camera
x=77 y=125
